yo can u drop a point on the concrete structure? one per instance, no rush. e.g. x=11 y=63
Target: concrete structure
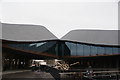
x=96 y=48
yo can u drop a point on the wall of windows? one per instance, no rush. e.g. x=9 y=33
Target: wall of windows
x=42 y=47
x=90 y=50
x=66 y=48
x=80 y=50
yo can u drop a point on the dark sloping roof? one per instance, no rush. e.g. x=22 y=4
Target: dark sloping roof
x=24 y=32
x=106 y=37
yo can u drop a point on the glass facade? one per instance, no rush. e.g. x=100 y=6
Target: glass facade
x=94 y=50
x=67 y=48
x=80 y=50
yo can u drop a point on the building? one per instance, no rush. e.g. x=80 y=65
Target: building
x=97 y=48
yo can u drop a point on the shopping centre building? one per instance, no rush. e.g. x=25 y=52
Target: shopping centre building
x=97 y=48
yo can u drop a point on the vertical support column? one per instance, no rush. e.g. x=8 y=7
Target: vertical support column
x=19 y=64
x=62 y=48
x=1 y=66
x=56 y=49
x=3 y=62
x=15 y=64
x=10 y=63
x=59 y=49
x=27 y=63
x=117 y=64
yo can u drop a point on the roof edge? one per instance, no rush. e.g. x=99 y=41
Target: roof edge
x=11 y=41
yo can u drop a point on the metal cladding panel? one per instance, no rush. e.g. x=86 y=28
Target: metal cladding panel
x=21 y=32
x=106 y=37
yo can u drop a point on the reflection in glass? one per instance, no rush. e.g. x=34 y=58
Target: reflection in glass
x=108 y=50
x=73 y=49
x=68 y=44
x=93 y=50
x=80 y=49
x=101 y=50
x=64 y=48
x=86 y=50
x=116 y=50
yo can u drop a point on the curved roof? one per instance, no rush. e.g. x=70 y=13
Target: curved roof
x=25 y=32
x=106 y=37
x=28 y=32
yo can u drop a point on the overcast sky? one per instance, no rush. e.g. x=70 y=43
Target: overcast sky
x=60 y=17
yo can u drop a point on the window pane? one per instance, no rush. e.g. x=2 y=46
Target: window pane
x=68 y=45
x=73 y=49
x=49 y=47
x=116 y=51
x=108 y=50
x=93 y=50
x=86 y=50
x=80 y=49
x=101 y=50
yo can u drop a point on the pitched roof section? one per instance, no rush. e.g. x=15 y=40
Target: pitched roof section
x=21 y=32
x=106 y=37
x=25 y=32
